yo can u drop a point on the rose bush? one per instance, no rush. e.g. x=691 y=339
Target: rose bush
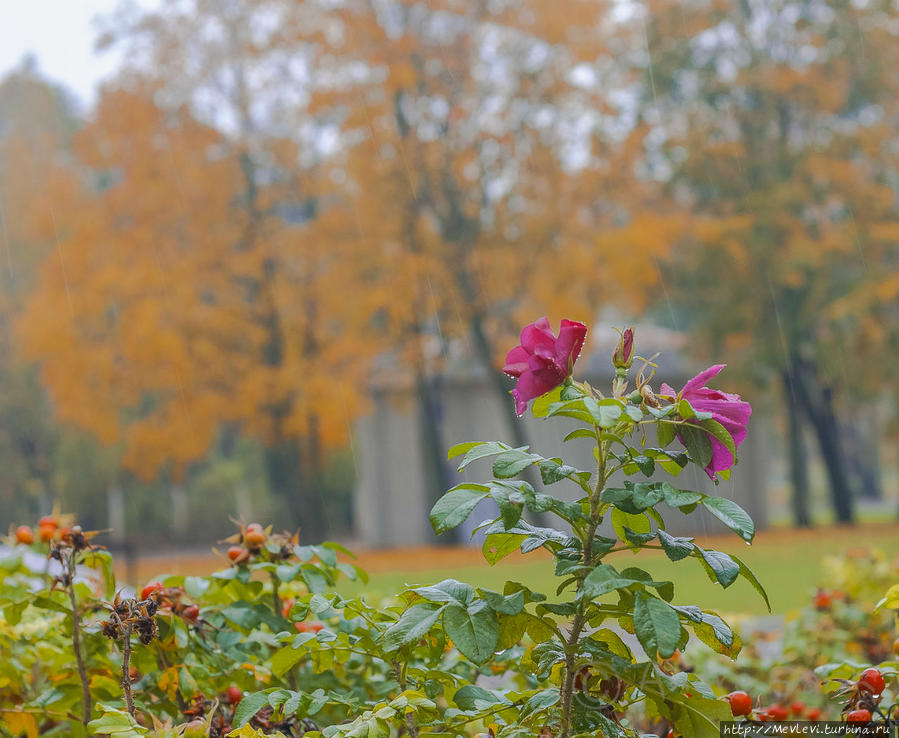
x=846 y=627
x=268 y=645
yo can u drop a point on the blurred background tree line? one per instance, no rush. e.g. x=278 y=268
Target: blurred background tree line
x=275 y=200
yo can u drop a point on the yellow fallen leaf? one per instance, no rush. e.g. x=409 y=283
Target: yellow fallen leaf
x=19 y=722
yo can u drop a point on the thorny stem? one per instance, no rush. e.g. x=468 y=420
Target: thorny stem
x=400 y=674
x=580 y=619
x=276 y=599
x=126 y=668
x=577 y=626
x=76 y=638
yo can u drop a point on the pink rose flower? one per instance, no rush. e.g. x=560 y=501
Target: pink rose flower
x=542 y=361
x=729 y=410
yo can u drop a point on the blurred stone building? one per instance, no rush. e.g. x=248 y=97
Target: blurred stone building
x=395 y=488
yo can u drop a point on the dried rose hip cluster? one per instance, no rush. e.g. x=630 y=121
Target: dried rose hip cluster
x=171 y=600
x=132 y=616
x=255 y=543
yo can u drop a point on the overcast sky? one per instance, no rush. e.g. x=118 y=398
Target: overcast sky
x=61 y=35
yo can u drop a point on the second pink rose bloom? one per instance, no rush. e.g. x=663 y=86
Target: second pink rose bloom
x=730 y=410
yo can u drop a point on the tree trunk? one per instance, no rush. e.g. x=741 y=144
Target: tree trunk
x=282 y=453
x=432 y=447
x=896 y=469
x=287 y=483
x=315 y=478
x=115 y=507
x=798 y=455
x=863 y=457
x=834 y=461
x=817 y=401
x=180 y=510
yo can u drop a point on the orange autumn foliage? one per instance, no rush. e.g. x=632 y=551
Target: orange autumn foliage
x=150 y=328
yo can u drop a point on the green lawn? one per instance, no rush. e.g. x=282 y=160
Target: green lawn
x=790 y=567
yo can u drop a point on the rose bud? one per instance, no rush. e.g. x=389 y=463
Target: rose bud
x=623 y=356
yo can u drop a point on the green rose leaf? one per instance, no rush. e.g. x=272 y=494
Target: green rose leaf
x=248 y=706
x=574 y=408
x=515 y=461
x=747 y=574
x=499 y=545
x=611 y=641
x=675 y=547
x=635 y=523
x=665 y=433
x=462 y=448
x=633 y=498
x=553 y=470
x=720 y=432
x=698 y=444
x=473 y=629
x=645 y=464
x=712 y=630
x=511 y=629
x=540 y=701
x=719 y=566
x=604 y=413
x=542 y=404
x=510 y=500
x=456 y=505
x=679 y=498
x=700 y=717
x=412 y=625
x=656 y=626
x=665 y=589
x=451 y=591
x=638 y=539
x=472 y=697
x=604 y=579
x=477 y=450
x=315 y=578
x=732 y=515
x=634 y=413
x=507 y=604
x=581 y=433
x=115 y=723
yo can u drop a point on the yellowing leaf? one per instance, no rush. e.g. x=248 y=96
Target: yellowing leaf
x=19 y=722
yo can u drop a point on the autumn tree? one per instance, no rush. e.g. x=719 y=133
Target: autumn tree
x=472 y=166
x=176 y=309
x=773 y=125
x=281 y=191
x=443 y=154
x=37 y=121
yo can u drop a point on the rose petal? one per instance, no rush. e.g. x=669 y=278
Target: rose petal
x=700 y=379
x=516 y=361
x=528 y=387
x=536 y=335
x=729 y=410
x=721 y=457
x=569 y=344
